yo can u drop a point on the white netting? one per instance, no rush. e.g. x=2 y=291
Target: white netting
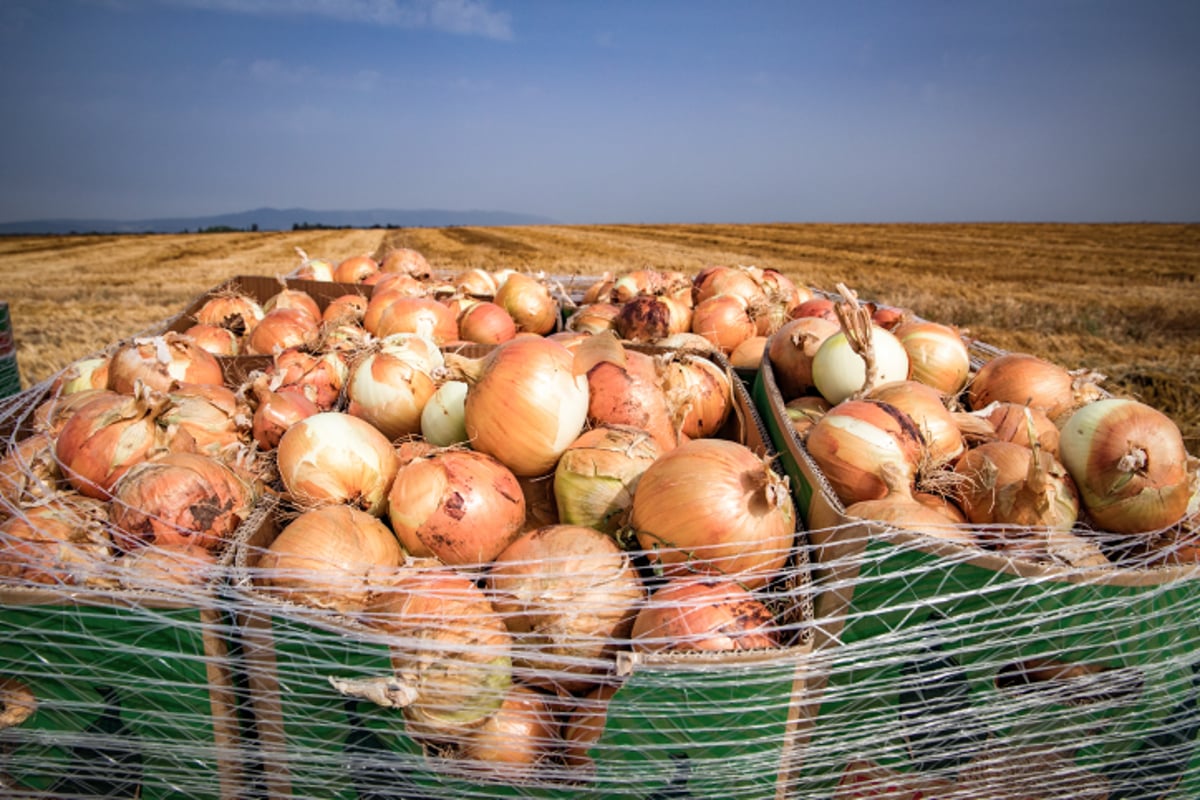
x=247 y=635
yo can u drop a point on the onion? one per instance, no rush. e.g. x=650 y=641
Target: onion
x=791 y=352
x=444 y=417
x=713 y=506
x=205 y=419
x=107 y=436
x=1007 y=484
x=925 y=406
x=451 y=654
x=630 y=393
x=822 y=307
x=526 y=403
x=236 y=312
x=541 y=509
x=585 y=725
x=699 y=393
x=569 y=595
x=1012 y=423
x=294 y=299
x=475 y=282
x=645 y=318
x=218 y=341
x=407 y=261
x=637 y=283
x=804 y=411
x=596 y=476
x=856 y=440
x=937 y=353
x=345 y=308
x=160 y=362
x=529 y=303
x=332 y=557
x=1130 y=465
x=277 y=411
x=162 y=568
x=283 y=329
x=52 y=414
x=724 y=320
x=82 y=375
x=486 y=323
x=390 y=386
x=901 y=508
x=321 y=375
x=28 y=471
x=839 y=372
x=178 y=499
x=689 y=614
x=1028 y=380
x=332 y=457
x=749 y=354
x=313 y=269
x=459 y=506
x=594 y=318
x=732 y=281
x=423 y=316
x=522 y=732
x=355 y=269
x=60 y=541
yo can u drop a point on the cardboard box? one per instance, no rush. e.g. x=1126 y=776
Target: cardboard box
x=726 y=725
x=946 y=664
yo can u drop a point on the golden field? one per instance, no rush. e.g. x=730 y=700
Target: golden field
x=1122 y=299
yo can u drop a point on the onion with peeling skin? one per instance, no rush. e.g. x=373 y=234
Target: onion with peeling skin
x=1012 y=422
x=1130 y=464
x=179 y=499
x=630 y=393
x=854 y=442
x=597 y=475
x=791 y=352
x=29 y=471
x=333 y=557
x=234 y=311
x=569 y=595
x=346 y=308
x=699 y=393
x=335 y=458
x=594 y=318
x=803 y=412
x=160 y=362
x=713 y=506
x=216 y=340
x=355 y=269
x=924 y=405
x=822 y=307
x=390 y=387
x=277 y=411
x=406 y=260
x=475 y=282
x=422 y=316
x=724 y=280
x=644 y=318
x=295 y=299
x=321 y=375
x=107 y=436
x=63 y=540
x=205 y=419
x=459 y=506
x=1007 y=484
x=83 y=375
x=52 y=414
x=691 y=614
x=937 y=353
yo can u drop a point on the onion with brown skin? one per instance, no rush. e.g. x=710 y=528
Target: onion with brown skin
x=597 y=475
x=278 y=410
x=724 y=280
x=106 y=436
x=714 y=507
x=333 y=458
x=423 y=316
x=333 y=558
x=569 y=595
x=1028 y=380
x=283 y=329
x=476 y=282
x=925 y=406
x=630 y=393
x=178 y=499
x=1130 y=464
x=390 y=386
x=690 y=614
x=355 y=269
x=234 y=311
x=803 y=412
x=160 y=362
x=296 y=299
x=216 y=340
x=644 y=318
x=166 y=568
x=594 y=318
x=856 y=439
x=585 y=724
x=346 y=308
x=1011 y=423
x=52 y=414
x=407 y=261
x=1007 y=484
x=322 y=376
x=459 y=506
x=29 y=471
x=486 y=323
x=699 y=393
x=205 y=419
x=521 y=733
x=901 y=508
x=822 y=307
x=529 y=302
x=62 y=540
x=724 y=320
x=937 y=354
x=749 y=354
x=791 y=351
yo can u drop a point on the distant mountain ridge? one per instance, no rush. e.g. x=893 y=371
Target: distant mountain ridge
x=280 y=219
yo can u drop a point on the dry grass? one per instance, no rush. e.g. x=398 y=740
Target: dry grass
x=1121 y=299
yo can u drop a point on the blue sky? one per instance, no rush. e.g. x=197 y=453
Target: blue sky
x=594 y=112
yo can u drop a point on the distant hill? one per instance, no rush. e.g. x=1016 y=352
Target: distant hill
x=279 y=219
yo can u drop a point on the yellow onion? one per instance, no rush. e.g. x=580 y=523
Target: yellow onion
x=636 y=283
x=521 y=733
x=218 y=341
x=839 y=373
x=321 y=375
x=856 y=440
x=451 y=654
x=159 y=362
x=585 y=724
x=296 y=299
x=1014 y=422
x=283 y=329
x=389 y=288
x=475 y=282
x=405 y=260
x=107 y=436
x=205 y=419
x=355 y=269
x=444 y=418
x=59 y=540
x=597 y=475
x=1130 y=464
x=163 y=568
x=901 y=508
x=1030 y=381
x=178 y=499
x=601 y=290
x=234 y=311
x=791 y=352
x=53 y=413
x=594 y=318
x=459 y=506
x=749 y=354
x=938 y=355
x=715 y=507
x=529 y=302
x=312 y=269
x=628 y=391
x=1007 y=484
x=925 y=406
x=422 y=316
x=82 y=375
x=724 y=320
x=568 y=594
x=335 y=458
x=29 y=471
x=278 y=410
x=648 y=318
x=692 y=614
x=526 y=403
x=823 y=307
x=390 y=386
x=719 y=280
x=486 y=323
x=345 y=308
x=804 y=411
x=699 y=393
x=333 y=557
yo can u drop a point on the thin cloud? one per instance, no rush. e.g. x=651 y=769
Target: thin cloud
x=462 y=17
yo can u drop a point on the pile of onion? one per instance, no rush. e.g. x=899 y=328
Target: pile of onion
x=713 y=506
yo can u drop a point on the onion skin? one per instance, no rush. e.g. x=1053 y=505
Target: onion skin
x=204 y=419
x=459 y=506
x=527 y=405
x=853 y=441
x=594 y=318
x=1012 y=424
x=570 y=595
x=333 y=458
x=333 y=557
x=937 y=353
x=62 y=541
x=279 y=410
x=1130 y=464
x=699 y=393
x=235 y=312
x=282 y=329
x=1006 y=486
x=687 y=614
x=28 y=471
x=529 y=303
x=714 y=507
x=486 y=323
x=178 y=499
x=596 y=477
x=321 y=375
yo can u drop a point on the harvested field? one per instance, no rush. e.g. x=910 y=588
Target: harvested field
x=1117 y=298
